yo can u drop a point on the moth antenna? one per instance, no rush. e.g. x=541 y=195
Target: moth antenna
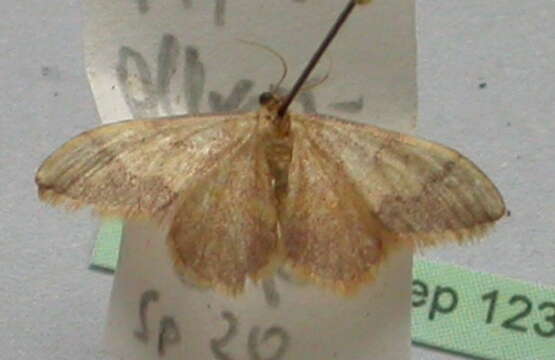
x=309 y=87
x=318 y=54
x=273 y=52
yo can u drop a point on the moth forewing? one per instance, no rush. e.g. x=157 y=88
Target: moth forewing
x=357 y=192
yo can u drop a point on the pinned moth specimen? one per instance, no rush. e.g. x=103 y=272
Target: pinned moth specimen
x=243 y=194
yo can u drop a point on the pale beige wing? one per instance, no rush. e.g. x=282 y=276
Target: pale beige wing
x=357 y=191
x=138 y=168
x=225 y=230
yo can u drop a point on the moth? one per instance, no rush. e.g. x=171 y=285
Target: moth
x=243 y=194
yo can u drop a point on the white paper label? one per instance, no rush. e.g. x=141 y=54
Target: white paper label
x=154 y=315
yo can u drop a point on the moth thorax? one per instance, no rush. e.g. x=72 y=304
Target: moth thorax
x=282 y=125
x=279 y=151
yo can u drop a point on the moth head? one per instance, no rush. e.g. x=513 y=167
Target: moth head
x=270 y=104
x=269 y=100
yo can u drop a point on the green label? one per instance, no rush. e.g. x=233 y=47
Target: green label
x=106 y=250
x=483 y=316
